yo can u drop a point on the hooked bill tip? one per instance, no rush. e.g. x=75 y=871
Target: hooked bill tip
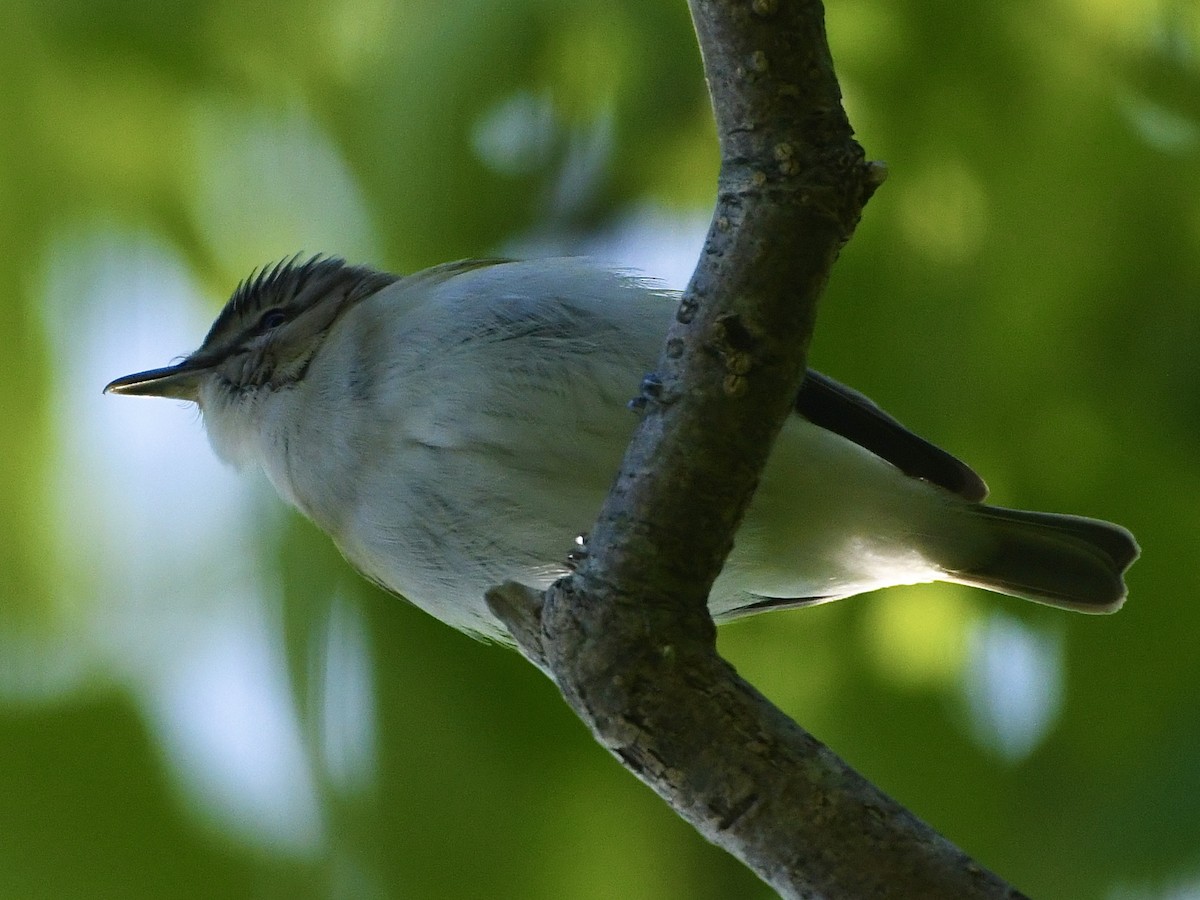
x=180 y=382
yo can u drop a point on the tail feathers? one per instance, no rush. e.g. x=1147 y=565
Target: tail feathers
x=1064 y=561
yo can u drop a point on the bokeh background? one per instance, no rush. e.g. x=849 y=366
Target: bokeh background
x=199 y=699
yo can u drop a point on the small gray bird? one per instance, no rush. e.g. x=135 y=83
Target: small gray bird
x=459 y=427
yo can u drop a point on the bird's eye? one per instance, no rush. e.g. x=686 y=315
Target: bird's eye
x=272 y=318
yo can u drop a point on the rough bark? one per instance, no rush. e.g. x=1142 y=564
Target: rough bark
x=627 y=637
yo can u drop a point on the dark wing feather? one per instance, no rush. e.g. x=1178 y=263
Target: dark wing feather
x=845 y=411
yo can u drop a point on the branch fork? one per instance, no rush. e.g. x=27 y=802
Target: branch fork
x=627 y=636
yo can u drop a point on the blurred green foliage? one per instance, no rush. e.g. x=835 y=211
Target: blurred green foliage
x=1023 y=290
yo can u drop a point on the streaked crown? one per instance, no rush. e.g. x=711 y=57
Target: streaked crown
x=268 y=331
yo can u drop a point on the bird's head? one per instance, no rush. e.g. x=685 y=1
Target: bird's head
x=265 y=336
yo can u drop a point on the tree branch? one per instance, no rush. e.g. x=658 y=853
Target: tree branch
x=628 y=638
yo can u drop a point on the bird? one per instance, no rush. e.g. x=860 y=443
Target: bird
x=459 y=427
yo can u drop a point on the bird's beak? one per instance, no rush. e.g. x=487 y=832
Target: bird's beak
x=181 y=382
